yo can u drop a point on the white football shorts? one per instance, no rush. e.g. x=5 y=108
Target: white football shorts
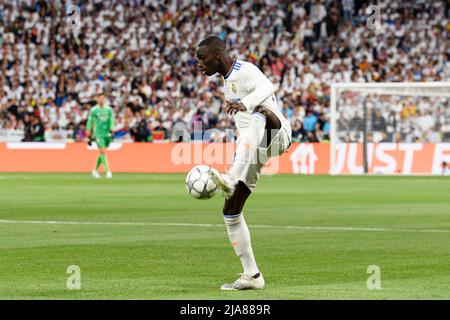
x=250 y=171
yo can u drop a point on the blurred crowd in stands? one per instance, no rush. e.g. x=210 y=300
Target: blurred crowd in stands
x=141 y=53
x=393 y=118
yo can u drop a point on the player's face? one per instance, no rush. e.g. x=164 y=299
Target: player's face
x=101 y=100
x=206 y=61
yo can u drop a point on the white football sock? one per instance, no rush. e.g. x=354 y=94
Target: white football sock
x=246 y=149
x=240 y=240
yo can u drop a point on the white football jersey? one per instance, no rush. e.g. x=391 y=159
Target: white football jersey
x=247 y=84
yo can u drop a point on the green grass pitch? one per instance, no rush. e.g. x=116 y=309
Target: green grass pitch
x=140 y=236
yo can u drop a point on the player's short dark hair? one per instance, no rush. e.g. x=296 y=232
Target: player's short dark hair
x=213 y=42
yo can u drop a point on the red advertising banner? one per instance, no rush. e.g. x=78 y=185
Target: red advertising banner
x=301 y=158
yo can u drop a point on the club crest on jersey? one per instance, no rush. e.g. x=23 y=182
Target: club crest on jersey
x=233 y=87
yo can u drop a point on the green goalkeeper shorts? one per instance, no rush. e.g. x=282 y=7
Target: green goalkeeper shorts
x=103 y=143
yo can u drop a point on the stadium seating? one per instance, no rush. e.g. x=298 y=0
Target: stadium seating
x=141 y=54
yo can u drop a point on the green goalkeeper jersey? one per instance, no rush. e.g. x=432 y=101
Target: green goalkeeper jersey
x=102 y=118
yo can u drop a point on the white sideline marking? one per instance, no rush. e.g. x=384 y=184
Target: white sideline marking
x=36 y=145
x=256 y=226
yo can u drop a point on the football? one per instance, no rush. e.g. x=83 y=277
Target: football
x=199 y=184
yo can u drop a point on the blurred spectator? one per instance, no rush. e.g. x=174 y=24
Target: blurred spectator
x=425 y=123
x=318 y=14
x=34 y=129
x=141 y=132
x=298 y=132
x=159 y=132
x=310 y=121
x=445 y=168
x=347 y=9
x=357 y=122
x=38 y=129
x=378 y=122
x=323 y=128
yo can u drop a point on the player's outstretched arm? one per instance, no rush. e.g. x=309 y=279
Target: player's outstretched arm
x=88 y=131
x=111 y=122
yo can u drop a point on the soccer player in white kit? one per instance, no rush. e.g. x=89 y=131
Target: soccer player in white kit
x=262 y=131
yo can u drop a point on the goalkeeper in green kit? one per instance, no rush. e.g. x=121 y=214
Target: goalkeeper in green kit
x=101 y=119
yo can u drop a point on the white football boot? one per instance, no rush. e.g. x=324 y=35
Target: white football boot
x=109 y=174
x=95 y=174
x=225 y=182
x=245 y=283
